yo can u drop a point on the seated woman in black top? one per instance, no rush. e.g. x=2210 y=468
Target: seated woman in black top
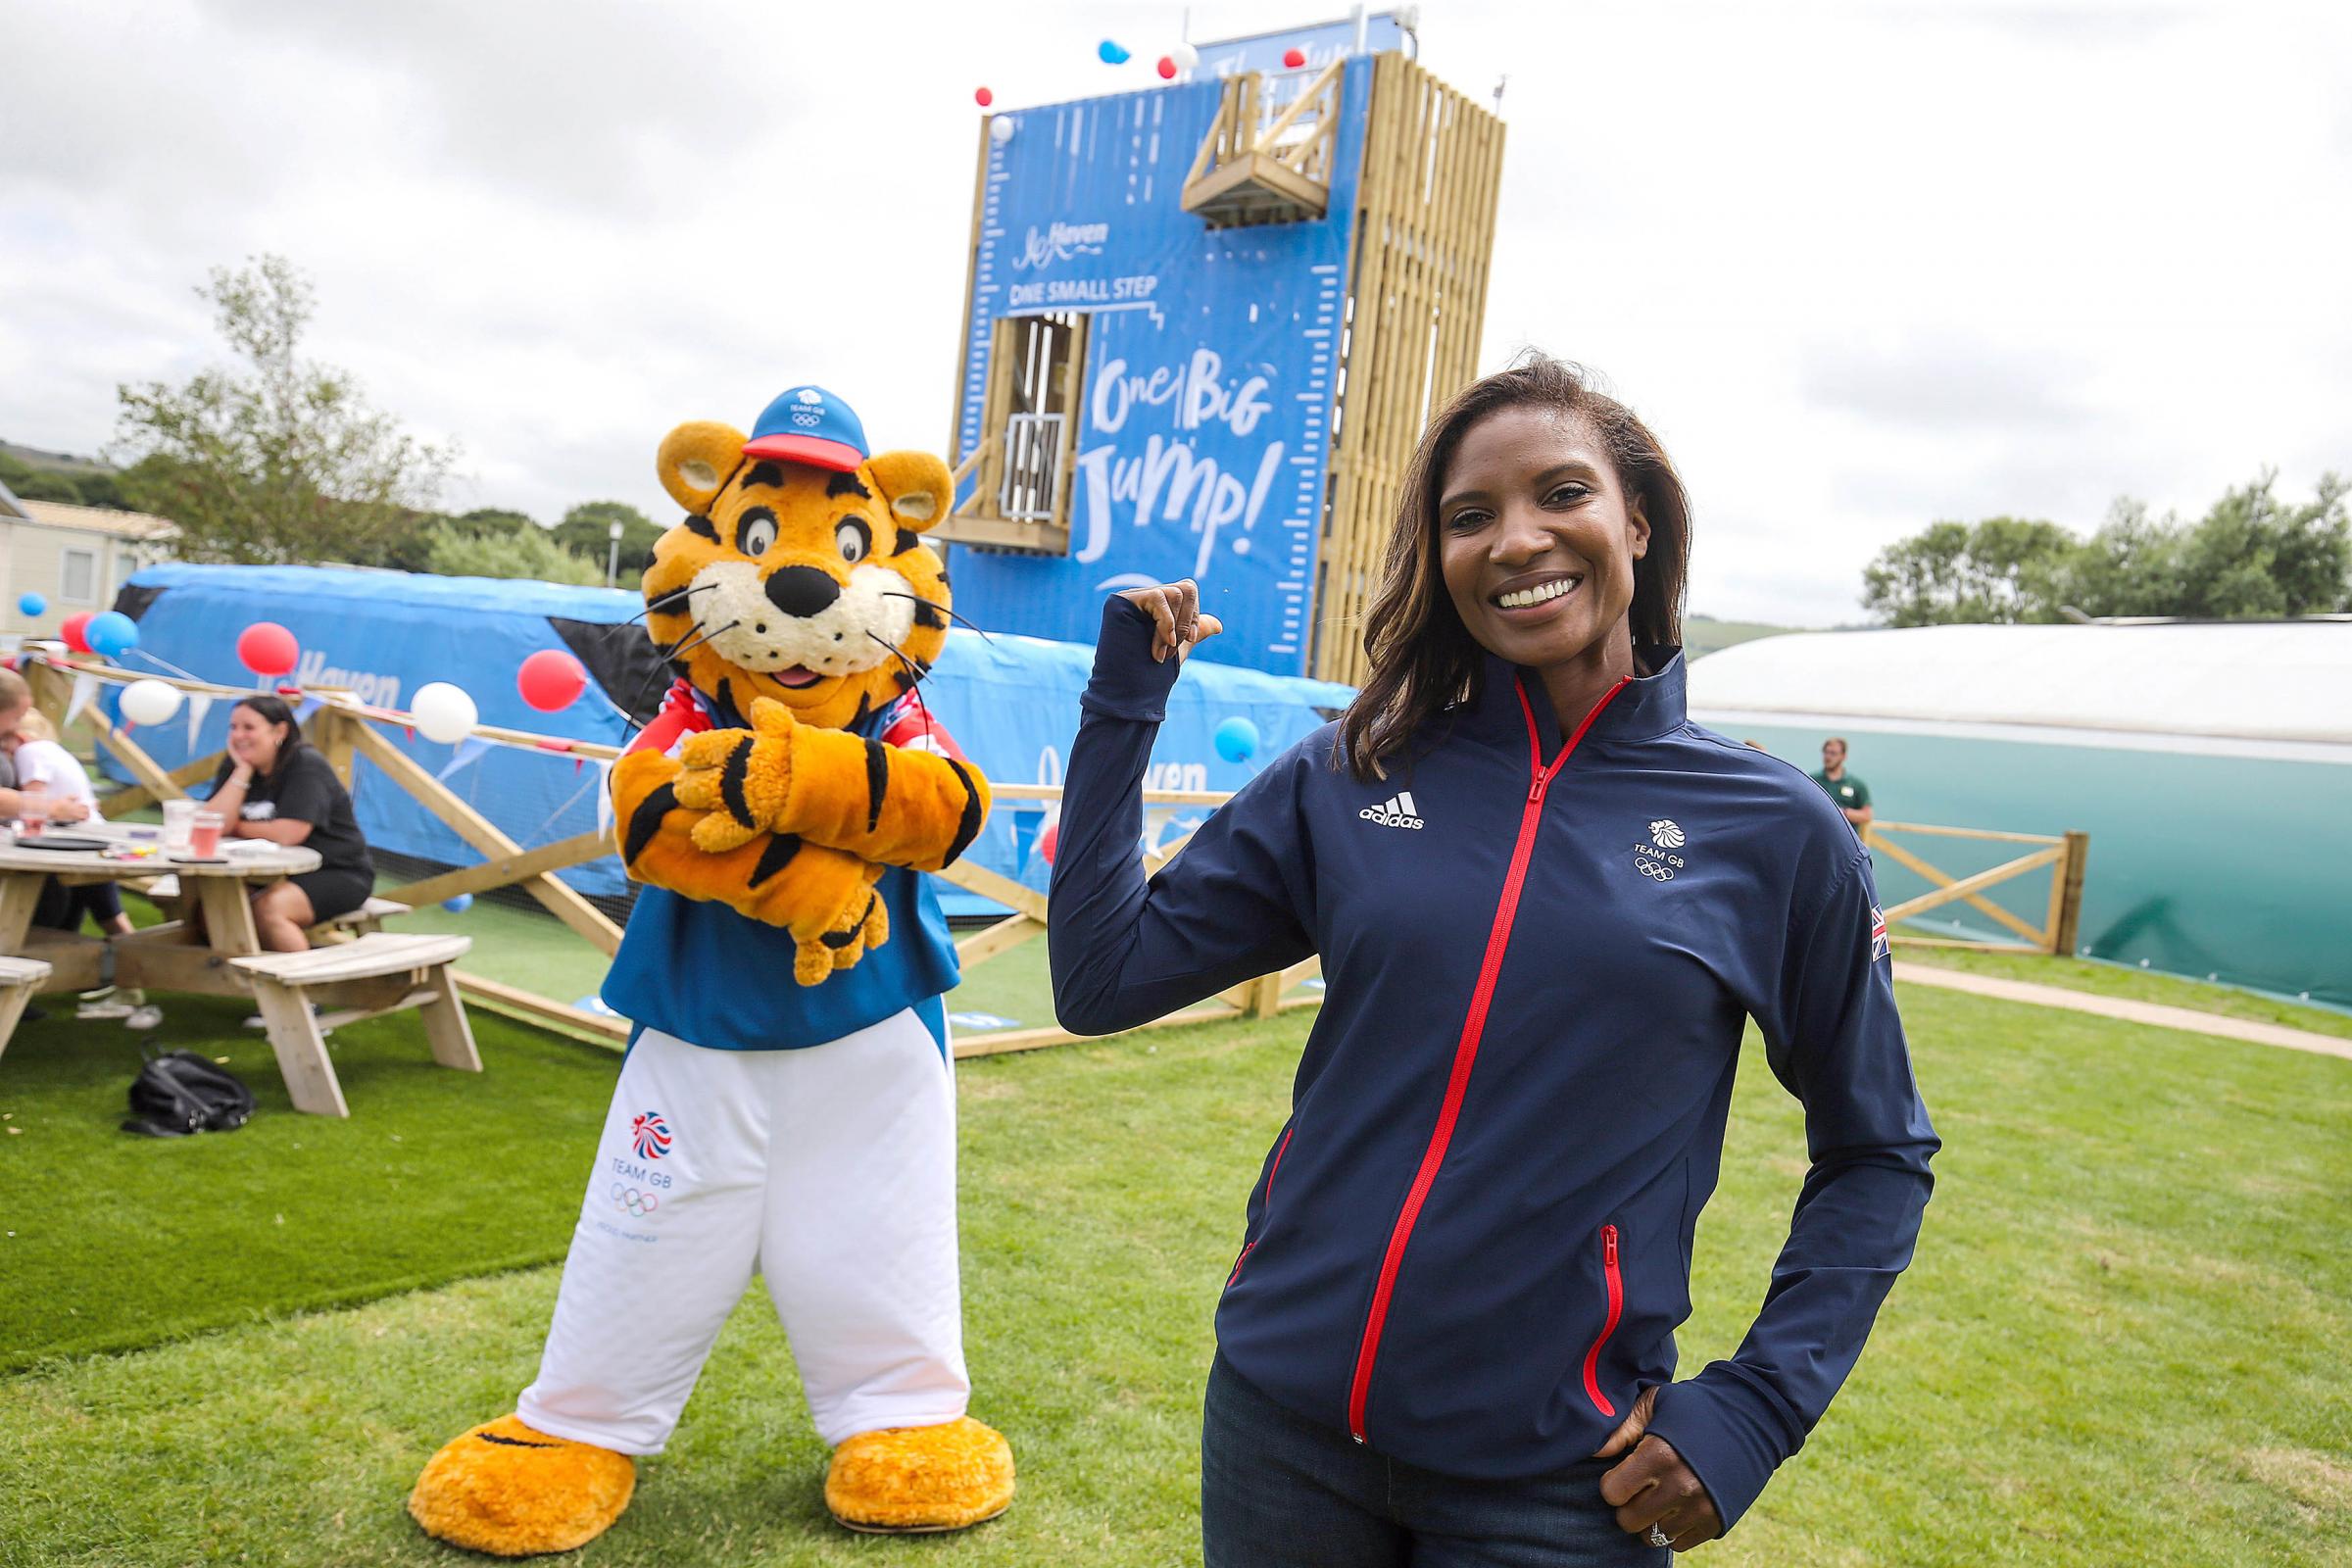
x=275 y=785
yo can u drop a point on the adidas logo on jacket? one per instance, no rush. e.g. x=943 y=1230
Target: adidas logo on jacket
x=1397 y=812
x=1469 y=1245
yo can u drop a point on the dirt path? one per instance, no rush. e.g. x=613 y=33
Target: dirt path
x=2148 y=1012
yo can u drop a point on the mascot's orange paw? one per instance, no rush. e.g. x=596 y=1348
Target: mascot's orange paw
x=908 y=1480
x=508 y=1491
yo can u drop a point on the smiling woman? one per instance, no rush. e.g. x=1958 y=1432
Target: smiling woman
x=1529 y=480
x=1546 y=904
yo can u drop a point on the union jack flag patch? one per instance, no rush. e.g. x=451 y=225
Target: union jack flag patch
x=1878 y=935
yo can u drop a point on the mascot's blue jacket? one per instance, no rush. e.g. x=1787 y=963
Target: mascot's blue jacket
x=1470 y=1244
x=708 y=976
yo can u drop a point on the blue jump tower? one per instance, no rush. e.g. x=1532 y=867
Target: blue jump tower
x=1203 y=326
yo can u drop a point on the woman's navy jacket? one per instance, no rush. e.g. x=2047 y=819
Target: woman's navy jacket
x=1470 y=1244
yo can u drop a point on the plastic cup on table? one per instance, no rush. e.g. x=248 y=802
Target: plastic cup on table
x=204 y=835
x=178 y=817
x=32 y=817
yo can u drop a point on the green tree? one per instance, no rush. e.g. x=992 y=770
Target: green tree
x=414 y=551
x=2131 y=566
x=43 y=484
x=494 y=519
x=1998 y=570
x=83 y=486
x=528 y=551
x=277 y=458
x=2250 y=557
x=587 y=531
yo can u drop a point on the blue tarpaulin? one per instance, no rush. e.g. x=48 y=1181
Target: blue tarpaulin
x=1010 y=701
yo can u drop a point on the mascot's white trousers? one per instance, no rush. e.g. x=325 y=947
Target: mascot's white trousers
x=830 y=1170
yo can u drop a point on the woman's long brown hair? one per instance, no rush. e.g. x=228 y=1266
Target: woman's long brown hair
x=1422 y=657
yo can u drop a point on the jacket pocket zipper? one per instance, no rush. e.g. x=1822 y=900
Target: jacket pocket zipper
x=1608 y=1326
x=1264 y=1208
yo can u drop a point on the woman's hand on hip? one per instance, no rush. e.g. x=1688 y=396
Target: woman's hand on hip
x=1653 y=1487
x=1178 y=625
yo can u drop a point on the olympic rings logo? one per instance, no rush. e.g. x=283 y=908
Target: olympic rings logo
x=630 y=1200
x=1654 y=871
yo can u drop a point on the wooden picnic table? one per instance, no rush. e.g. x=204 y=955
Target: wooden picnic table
x=169 y=956
x=375 y=973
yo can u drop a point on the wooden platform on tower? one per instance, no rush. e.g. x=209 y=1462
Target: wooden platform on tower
x=1203 y=326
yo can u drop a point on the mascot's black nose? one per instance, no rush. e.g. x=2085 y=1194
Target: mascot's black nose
x=800 y=590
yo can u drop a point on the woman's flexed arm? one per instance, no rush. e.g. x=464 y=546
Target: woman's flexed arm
x=1233 y=903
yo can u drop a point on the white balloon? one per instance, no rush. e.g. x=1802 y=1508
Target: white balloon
x=443 y=712
x=1186 y=56
x=150 y=702
x=1001 y=129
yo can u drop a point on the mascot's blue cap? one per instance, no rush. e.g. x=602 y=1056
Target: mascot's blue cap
x=810 y=424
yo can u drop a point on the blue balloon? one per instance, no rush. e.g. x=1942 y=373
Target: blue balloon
x=1109 y=53
x=112 y=634
x=458 y=902
x=1237 y=740
x=31 y=604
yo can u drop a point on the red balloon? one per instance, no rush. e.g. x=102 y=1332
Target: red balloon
x=75 y=630
x=984 y=97
x=1293 y=57
x=550 y=680
x=1167 y=67
x=268 y=649
x=1049 y=842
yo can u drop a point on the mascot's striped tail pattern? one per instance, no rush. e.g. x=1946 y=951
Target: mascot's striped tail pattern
x=787 y=1104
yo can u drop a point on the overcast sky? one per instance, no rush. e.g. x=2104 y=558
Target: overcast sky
x=1862 y=266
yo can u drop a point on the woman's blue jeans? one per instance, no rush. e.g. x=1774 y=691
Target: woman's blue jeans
x=1278 y=1490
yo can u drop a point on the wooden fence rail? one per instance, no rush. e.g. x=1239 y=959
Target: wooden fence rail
x=346 y=729
x=2066 y=857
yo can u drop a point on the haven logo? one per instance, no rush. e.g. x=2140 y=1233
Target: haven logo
x=1397 y=810
x=376 y=691
x=1059 y=243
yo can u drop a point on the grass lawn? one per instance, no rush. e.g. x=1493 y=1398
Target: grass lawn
x=131 y=1239
x=2124 y=1341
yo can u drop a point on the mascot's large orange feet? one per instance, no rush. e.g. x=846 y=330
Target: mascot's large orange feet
x=911 y=1480
x=508 y=1491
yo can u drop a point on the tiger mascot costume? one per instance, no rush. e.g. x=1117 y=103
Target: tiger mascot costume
x=787 y=1106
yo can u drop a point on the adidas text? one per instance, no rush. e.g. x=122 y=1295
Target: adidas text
x=1397 y=810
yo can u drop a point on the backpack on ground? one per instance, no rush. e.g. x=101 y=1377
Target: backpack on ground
x=180 y=1093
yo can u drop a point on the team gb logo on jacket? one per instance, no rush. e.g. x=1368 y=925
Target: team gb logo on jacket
x=1656 y=859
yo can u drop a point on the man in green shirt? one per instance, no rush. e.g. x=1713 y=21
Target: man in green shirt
x=1850 y=793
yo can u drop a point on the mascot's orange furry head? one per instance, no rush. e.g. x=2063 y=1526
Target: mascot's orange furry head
x=806 y=585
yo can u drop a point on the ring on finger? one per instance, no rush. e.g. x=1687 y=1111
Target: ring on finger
x=1658 y=1537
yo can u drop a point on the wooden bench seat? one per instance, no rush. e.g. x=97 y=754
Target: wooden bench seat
x=368 y=917
x=20 y=978
x=374 y=973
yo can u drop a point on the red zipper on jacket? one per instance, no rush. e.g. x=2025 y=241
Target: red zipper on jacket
x=1608 y=1326
x=1466 y=1053
x=1272 y=1171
